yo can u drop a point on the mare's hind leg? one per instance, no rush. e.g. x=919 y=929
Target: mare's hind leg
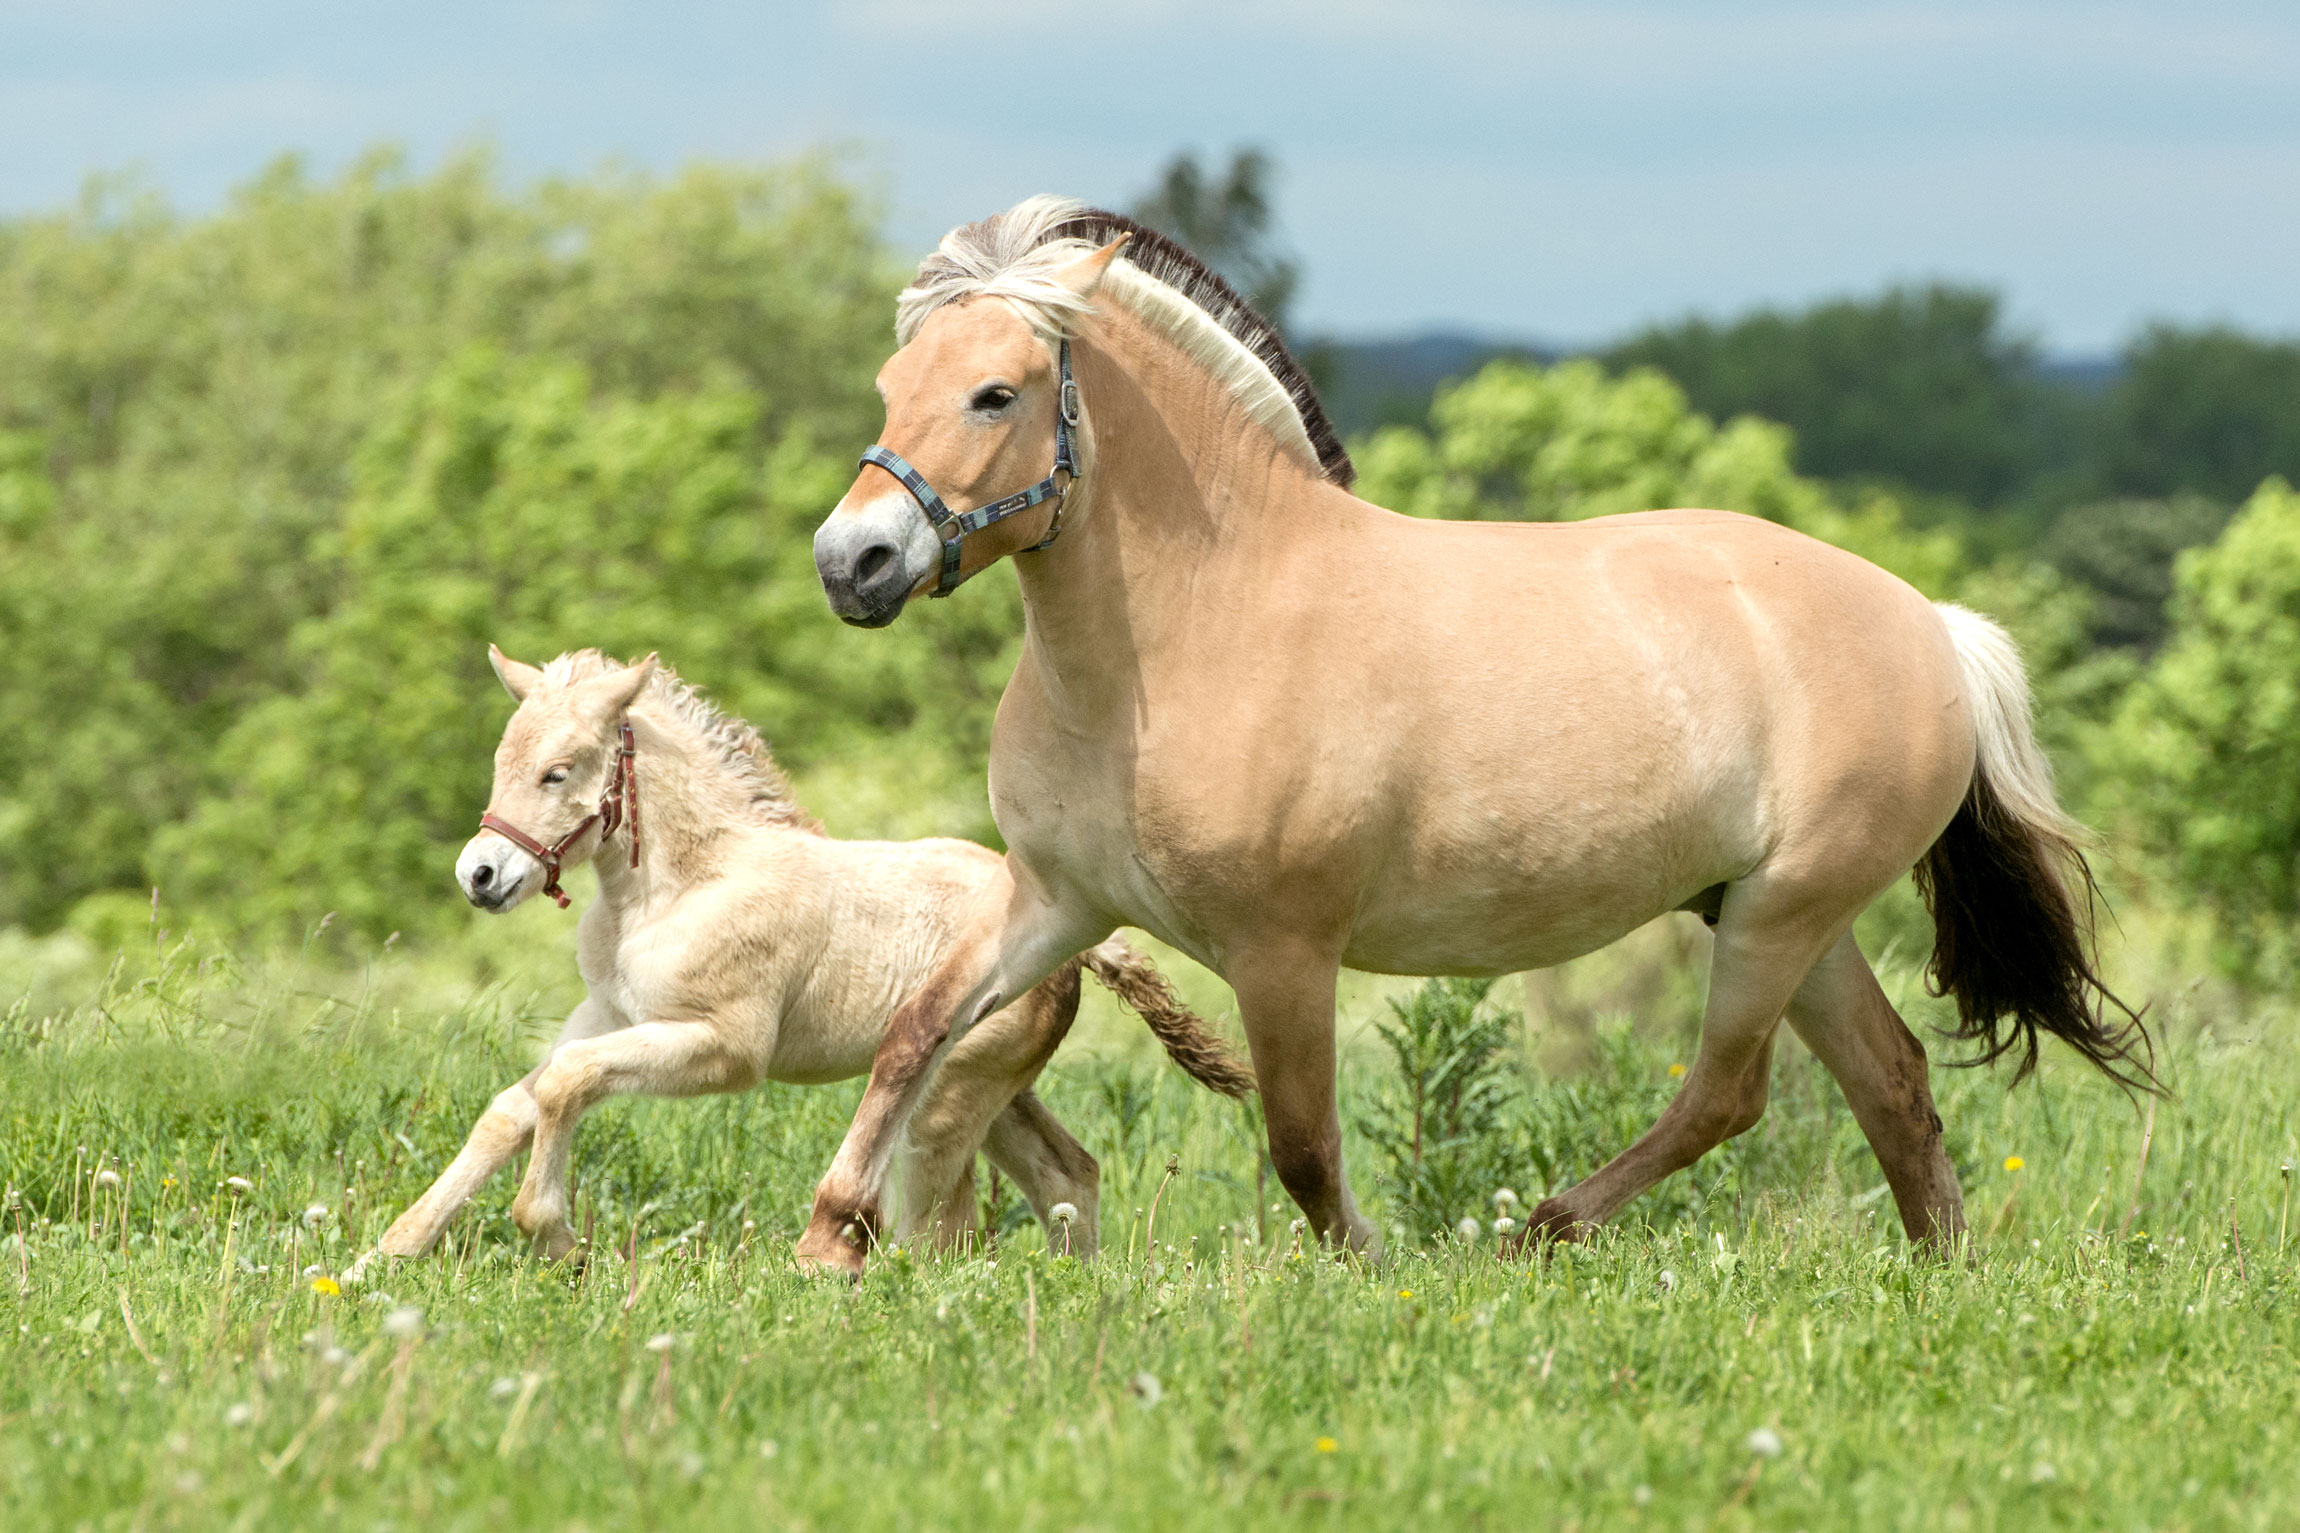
x=1844 y=1018
x=1767 y=940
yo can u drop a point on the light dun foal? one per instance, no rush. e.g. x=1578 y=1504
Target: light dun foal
x=733 y=942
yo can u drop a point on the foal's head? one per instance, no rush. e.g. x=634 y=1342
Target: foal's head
x=558 y=755
x=971 y=405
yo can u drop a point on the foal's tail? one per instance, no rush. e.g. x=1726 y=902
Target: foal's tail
x=2010 y=891
x=1188 y=1041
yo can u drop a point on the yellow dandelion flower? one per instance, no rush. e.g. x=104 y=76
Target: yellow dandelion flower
x=1676 y=1071
x=1328 y=1445
x=1405 y=1293
x=327 y=1285
x=2014 y=1163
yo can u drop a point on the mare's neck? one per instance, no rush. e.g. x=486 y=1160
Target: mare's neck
x=1187 y=508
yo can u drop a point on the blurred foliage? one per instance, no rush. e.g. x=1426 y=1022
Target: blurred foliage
x=2211 y=411
x=2123 y=552
x=2198 y=763
x=209 y=588
x=1919 y=386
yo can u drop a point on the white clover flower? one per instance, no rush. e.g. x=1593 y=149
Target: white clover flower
x=315 y=1216
x=404 y=1321
x=1764 y=1443
x=1469 y=1229
x=107 y=1178
x=1063 y=1213
x=1505 y=1200
x=239 y=1184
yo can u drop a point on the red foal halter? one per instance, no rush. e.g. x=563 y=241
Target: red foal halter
x=618 y=803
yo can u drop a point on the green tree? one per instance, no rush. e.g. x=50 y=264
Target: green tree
x=510 y=503
x=2201 y=763
x=2210 y=412
x=2123 y=551
x=1920 y=387
x=194 y=391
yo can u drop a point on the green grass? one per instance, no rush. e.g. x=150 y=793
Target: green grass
x=2092 y=1364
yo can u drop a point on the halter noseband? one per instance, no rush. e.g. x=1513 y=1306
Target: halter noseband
x=618 y=802
x=953 y=526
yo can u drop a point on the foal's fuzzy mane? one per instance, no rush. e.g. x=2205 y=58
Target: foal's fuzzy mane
x=1015 y=256
x=729 y=741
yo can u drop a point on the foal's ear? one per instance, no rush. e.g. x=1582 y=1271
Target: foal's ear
x=617 y=690
x=1085 y=274
x=517 y=679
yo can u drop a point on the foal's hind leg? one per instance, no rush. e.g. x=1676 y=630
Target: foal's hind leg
x=1766 y=943
x=1844 y=1018
x=1049 y=1167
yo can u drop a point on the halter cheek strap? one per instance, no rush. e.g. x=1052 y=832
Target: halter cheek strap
x=953 y=526
x=618 y=805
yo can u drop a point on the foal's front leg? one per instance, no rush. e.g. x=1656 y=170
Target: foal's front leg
x=672 y=1059
x=496 y=1140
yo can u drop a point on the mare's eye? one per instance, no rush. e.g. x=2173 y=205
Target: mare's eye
x=992 y=399
x=554 y=777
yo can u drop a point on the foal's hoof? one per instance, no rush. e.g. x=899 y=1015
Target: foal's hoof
x=832 y=1247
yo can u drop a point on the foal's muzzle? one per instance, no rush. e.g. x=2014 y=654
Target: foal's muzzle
x=495 y=875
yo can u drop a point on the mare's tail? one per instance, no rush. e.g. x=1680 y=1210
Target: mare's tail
x=1188 y=1041
x=2010 y=891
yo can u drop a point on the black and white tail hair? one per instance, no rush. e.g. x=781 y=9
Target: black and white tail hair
x=2011 y=894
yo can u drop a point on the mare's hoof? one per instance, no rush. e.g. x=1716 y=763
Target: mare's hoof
x=1550 y=1223
x=828 y=1247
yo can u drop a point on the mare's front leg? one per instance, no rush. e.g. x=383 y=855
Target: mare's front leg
x=496 y=1140
x=669 y=1059
x=1017 y=943
x=1286 y=997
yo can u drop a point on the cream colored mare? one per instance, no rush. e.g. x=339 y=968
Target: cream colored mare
x=747 y=946
x=1287 y=731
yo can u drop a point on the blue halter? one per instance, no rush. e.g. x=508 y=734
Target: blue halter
x=953 y=526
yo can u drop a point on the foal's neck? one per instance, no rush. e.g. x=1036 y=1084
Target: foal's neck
x=686 y=807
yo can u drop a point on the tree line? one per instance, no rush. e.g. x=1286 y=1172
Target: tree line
x=271 y=479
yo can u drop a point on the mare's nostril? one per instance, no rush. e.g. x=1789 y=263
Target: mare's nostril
x=482 y=876
x=872 y=560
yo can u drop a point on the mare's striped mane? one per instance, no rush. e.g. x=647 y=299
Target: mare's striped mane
x=1015 y=255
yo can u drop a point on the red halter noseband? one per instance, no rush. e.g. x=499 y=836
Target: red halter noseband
x=618 y=802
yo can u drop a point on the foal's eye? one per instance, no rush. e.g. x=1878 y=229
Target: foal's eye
x=992 y=399
x=554 y=777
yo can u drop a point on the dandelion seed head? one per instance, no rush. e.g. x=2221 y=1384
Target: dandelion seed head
x=1469 y=1229
x=315 y=1216
x=1063 y=1213
x=238 y=1414
x=1667 y=1282
x=663 y=1342
x=107 y=1178
x=239 y=1184
x=503 y=1388
x=1146 y=1388
x=1504 y=1225
x=1764 y=1443
x=406 y=1320
x=1505 y=1199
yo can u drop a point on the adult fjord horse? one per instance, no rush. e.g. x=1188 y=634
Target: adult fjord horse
x=1288 y=731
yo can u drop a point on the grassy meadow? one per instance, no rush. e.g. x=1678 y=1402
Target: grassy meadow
x=1754 y=1346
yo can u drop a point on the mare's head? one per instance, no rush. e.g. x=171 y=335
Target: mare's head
x=559 y=753
x=972 y=399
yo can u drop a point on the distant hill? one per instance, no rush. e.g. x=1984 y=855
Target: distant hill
x=1370 y=383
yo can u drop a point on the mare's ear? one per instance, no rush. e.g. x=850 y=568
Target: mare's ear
x=1085 y=274
x=517 y=679
x=614 y=692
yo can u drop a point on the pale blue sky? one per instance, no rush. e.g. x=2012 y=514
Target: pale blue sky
x=1561 y=171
